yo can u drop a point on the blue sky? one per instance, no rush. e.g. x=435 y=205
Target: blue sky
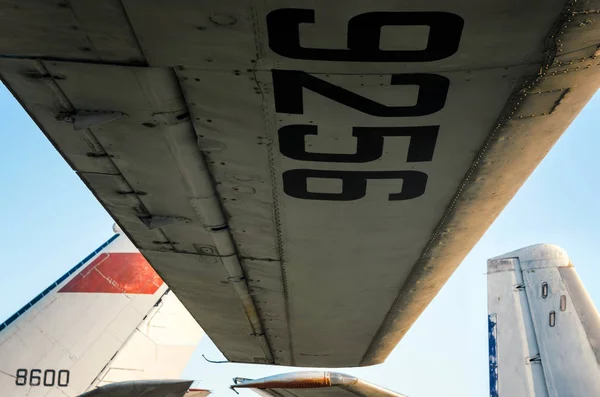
x=50 y=221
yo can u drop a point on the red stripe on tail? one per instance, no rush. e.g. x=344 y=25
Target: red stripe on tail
x=116 y=273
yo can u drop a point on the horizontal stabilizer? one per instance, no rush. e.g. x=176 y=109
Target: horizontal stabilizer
x=299 y=384
x=146 y=388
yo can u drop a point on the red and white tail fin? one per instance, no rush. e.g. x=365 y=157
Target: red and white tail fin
x=544 y=331
x=109 y=319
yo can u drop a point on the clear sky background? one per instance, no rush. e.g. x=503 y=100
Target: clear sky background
x=50 y=221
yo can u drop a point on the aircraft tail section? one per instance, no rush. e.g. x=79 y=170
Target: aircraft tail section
x=544 y=331
x=71 y=337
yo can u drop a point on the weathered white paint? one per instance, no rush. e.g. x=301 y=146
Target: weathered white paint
x=567 y=364
x=159 y=348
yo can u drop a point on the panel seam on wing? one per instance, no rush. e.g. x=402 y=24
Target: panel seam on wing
x=274 y=194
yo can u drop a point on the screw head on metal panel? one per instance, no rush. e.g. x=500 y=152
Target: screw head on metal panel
x=205 y=249
x=66 y=117
x=223 y=19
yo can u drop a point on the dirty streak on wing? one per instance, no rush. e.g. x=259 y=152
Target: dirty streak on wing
x=305 y=177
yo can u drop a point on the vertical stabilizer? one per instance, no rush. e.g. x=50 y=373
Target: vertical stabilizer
x=544 y=331
x=111 y=318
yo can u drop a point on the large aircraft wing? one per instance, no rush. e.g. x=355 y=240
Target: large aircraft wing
x=313 y=383
x=304 y=175
x=110 y=320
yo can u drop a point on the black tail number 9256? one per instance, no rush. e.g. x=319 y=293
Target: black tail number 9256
x=363 y=41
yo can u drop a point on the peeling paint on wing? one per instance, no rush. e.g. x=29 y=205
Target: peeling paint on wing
x=493 y=355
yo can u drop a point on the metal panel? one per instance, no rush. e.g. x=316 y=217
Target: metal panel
x=266 y=286
x=568 y=359
x=586 y=310
x=75 y=29
x=209 y=297
x=44 y=101
x=362 y=271
x=513 y=344
x=195 y=35
x=237 y=152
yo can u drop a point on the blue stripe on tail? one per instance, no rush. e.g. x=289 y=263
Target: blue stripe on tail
x=45 y=292
x=493 y=355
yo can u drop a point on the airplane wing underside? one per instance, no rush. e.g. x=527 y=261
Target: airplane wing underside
x=305 y=176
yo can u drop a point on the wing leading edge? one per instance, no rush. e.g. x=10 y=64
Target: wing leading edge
x=305 y=177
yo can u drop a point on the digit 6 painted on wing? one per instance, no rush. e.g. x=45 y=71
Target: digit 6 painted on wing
x=354 y=184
